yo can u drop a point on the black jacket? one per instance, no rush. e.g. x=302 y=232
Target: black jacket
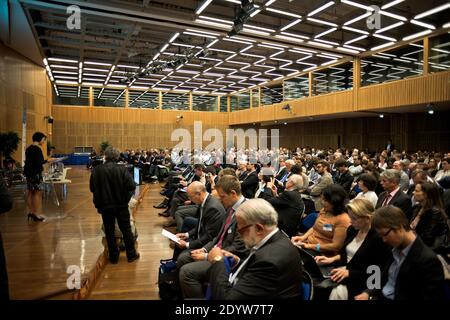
x=213 y=214
x=345 y=180
x=421 y=276
x=399 y=200
x=432 y=226
x=274 y=271
x=373 y=251
x=249 y=185
x=112 y=186
x=289 y=206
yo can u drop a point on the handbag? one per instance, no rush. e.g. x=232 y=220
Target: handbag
x=168 y=284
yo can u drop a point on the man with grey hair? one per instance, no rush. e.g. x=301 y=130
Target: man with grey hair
x=112 y=187
x=273 y=269
x=390 y=180
x=289 y=205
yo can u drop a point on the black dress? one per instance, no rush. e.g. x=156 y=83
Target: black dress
x=34 y=161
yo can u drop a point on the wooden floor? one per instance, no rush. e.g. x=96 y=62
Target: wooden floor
x=138 y=280
x=38 y=253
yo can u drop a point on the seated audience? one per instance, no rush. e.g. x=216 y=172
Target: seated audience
x=392 y=195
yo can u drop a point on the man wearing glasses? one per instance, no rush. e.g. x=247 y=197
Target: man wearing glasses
x=413 y=272
x=273 y=269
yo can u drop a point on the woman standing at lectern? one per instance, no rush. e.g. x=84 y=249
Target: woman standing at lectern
x=34 y=161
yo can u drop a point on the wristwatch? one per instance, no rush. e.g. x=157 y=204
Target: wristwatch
x=218 y=258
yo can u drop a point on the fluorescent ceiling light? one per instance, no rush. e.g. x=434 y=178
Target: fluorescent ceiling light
x=270 y=2
x=322 y=22
x=358 y=5
x=288 y=38
x=63 y=67
x=258 y=28
x=347 y=50
x=284 y=13
x=293 y=23
x=328 y=63
x=217 y=20
x=93 y=69
x=391 y=4
x=255 y=13
x=174 y=37
x=395 y=16
x=325 y=6
x=447 y=25
x=325 y=32
x=256 y=32
x=295 y=35
x=327 y=42
x=62 y=60
x=200 y=35
x=423 y=24
x=320 y=44
x=354 y=48
x=433 y=11
x=212 y=43
x=355 y=30
x=416 y=35
x=365 y=15
x=384 y=37
x=127 y=66
x=382 y=46
x=215 y=24
x=203 y=6
x=98 y=63
x=164 y=47
x=65 y=82
x=356 y=39
x=392 y=26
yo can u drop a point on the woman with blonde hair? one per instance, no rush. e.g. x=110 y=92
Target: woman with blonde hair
x=362 y=248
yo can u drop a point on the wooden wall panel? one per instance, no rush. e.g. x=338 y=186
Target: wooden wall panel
x=23 y=84
x=128 y=128
x=418 y=90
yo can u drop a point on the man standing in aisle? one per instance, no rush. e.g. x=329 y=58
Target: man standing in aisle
x=113 y=187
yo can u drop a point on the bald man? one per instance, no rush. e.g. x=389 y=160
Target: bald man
x=210 y=213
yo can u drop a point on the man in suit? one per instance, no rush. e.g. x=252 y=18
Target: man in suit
x=250 y=182
x=289 y=205
x=413 y=272
x=392 y=195
x=193 y=265
x=273 y=269
x=210 y=213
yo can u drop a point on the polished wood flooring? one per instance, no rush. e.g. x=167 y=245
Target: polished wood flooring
x=39 y=253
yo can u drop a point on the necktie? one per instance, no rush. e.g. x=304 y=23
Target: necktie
x=386 y=201
x=199 y=222
x=225 y=228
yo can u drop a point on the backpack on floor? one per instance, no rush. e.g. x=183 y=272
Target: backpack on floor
x=169 y=288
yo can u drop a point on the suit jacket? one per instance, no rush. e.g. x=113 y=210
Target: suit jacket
x=345 y=180
x=274 y=271
x=373 y=251
x=249 y=185
x=324 y=181
x=289 y=206
x=432 y=227
x=232 y=241
x=400 y=200
x=281 y=174
x=421 y=276
x=213 y=214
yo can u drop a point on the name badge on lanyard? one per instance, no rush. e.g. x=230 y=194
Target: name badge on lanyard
x=327 y=227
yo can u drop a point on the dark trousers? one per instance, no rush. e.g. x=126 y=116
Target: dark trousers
x=4 y=291
x=123 y=220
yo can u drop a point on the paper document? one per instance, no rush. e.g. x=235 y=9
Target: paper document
x=170 y=235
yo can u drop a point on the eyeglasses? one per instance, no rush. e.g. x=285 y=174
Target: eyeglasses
x=241 y=230
x=387 y=233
